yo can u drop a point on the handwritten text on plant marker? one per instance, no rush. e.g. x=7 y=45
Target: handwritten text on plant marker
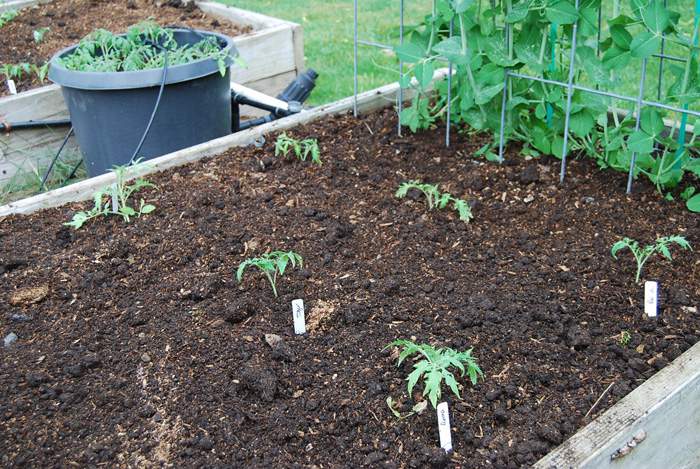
x=299 y=320
x=443 y=415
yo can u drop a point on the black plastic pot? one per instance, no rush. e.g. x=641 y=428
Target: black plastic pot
x=110 y=111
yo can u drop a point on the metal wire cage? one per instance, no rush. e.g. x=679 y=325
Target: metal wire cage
x=570 y=86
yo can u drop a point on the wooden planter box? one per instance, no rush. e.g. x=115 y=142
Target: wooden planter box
x=656 y=425
x=273 y=54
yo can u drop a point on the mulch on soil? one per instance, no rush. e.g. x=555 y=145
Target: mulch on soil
x=71 y=20
x=136 y=346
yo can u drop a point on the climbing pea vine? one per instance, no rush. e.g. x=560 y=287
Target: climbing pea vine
x=539 y=44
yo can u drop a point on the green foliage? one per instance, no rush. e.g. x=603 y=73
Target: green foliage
x=15 y=71
x=434 y=368
x=536 y=112
x=436 y=199
x=272 y=264
x=39 y=34
x=302 y=149
x=20 y=70
x=103 y=51
x=41 y=71
x=7 y=16
x=114 y=200
x=693 y=203
x=625 y=338
x=642 y=255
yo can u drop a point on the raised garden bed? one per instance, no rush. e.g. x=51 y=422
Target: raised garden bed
x=145 y=349
x=272 y=50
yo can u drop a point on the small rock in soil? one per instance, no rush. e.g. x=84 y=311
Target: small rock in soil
x=530 y=174
x=280 y=349
x=19 y=317
x=578 y=337
x=261 y=380
x=10 y=339
x=145 y=358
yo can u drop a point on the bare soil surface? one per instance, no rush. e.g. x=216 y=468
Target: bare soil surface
x=71 y=20
x=136 y=346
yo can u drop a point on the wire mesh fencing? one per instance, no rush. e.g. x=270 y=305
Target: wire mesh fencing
x=637 y=102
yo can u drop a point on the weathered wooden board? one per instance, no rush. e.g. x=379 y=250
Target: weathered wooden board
x=273 y=53
x=666 y=409
x=29 y=149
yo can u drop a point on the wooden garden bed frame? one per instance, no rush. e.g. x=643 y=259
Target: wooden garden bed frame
x=664 y=412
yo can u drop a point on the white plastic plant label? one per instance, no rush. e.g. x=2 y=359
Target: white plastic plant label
x=651 y=298
x=115 y=198
x=298 y=314
x=443 y=415
x=11 y=86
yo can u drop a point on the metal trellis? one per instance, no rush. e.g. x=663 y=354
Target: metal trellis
x=639 y=101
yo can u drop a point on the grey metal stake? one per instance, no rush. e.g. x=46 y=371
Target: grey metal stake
x=400 y=95
x=449 y=94
x=569 y=96
x=640 y=103
x=504 y=103
x=661 y=63
x=354 y=69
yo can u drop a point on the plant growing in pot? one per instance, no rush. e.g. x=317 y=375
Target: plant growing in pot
x=145 y=93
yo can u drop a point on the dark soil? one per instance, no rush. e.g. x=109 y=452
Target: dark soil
x=71 y=20
x=137 y=347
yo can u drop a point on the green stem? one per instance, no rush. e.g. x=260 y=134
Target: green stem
x=273 y=282
x=432 y=28
x=465 y=52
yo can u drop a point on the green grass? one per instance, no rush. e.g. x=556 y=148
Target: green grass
x=328 y=39
x=27 y=180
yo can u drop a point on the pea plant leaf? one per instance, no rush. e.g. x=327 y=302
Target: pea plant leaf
x=655 y=16
x=645 y=45
x=641 y=142
x=561 y=12
x=693 y=203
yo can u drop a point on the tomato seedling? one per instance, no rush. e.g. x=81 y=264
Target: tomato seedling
x=272 y=264
x=642 y=255
x=434 y=368
x=302 y=149
x=437 y=200
x=114 y=200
